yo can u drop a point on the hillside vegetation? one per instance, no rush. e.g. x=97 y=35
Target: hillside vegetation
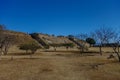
x=19 y=36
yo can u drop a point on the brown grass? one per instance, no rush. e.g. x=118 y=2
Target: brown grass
x=59 y=66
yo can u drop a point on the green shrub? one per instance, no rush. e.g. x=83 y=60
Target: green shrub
x=91 y=41
x=32 y=46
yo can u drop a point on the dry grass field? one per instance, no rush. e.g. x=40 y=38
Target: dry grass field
x=59 y=66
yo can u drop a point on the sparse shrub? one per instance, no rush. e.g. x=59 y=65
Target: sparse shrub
x=32 y=46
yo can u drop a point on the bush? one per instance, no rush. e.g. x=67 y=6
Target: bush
x=91 y=41
x=32 y=46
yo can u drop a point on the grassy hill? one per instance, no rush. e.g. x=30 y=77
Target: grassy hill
x=19 y=36
x=44 y=40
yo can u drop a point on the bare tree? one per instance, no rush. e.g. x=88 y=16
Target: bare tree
x=108 y=36
x=82 y=36
x=104 y=36
x=116 y=44
x=82 y=42
x=6 y=40
x=2 y=28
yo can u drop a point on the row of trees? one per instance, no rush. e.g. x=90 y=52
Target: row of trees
x=107 y=35
x=102 y=36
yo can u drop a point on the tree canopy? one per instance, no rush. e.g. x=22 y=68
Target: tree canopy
x=91 y=41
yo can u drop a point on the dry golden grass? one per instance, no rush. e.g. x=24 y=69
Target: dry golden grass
x=59 y=66
x=104 y=49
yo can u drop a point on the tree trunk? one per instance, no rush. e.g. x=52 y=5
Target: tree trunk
x=26 y=51
x=54 y=48
x=82 y=50
x=118 y=49
x=67 y=48
x=33 y=52
x=118 y=56
x=119 y=59
x=118 y=52
x=100 y=47
x=5 y=51
x=114 y=48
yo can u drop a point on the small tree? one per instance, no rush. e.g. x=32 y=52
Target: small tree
x=104 y=35
x=116 y=44
x=32 y=46
x=91 y=41
x=6 y=40
x=81 y=42
x=24 y=47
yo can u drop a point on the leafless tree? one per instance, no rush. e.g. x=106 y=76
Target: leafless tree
x=81 y=42
x=82 y=36
x=104 y=36
x=6 y=40
x=110 y=36
x=116 y=44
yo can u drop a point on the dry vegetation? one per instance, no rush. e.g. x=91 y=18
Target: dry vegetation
x=59 y=66
x=48 y=64
x=19 y=36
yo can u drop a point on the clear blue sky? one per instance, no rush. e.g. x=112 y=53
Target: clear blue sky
x=59 y=17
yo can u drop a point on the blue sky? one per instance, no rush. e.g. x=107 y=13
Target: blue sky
x=59 y=17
